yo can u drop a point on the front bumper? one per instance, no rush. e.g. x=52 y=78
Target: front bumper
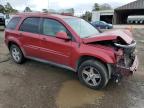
x=126 y=71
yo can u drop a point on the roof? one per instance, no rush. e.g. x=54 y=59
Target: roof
x=138 y=4
x=43 y=14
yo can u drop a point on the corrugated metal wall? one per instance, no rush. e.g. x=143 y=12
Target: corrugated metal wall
x=133 y=8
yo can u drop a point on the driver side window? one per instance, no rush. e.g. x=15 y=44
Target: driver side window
x=52 y=27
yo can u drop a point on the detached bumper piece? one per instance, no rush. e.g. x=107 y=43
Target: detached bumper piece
x=126 y=71
x=134 y=67
x=129 y=61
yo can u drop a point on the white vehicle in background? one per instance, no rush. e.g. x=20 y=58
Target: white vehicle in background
x=135 y=19
x=8 y=18
x=2 y=19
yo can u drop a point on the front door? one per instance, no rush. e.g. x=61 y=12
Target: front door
x=54 y=49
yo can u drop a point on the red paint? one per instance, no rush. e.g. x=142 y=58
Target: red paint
x=111 y=35
x=62 y=35
x=61 y=51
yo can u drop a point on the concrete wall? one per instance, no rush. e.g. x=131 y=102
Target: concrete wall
x=96 y=15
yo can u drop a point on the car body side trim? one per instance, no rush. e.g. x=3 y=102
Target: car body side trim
x=46 y=50
x=52 y=63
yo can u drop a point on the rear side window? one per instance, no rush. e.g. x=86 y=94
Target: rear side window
x=30 y=25
x=13 y=23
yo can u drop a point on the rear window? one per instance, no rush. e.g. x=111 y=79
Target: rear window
x=30 y=25
x=13 y=23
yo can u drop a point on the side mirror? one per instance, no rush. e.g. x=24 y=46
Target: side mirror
x=62 y=35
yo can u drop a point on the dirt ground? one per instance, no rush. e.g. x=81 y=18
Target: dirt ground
x=38 y=85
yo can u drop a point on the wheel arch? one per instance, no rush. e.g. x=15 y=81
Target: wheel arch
x=16 y=43
x=10 y=43
x=87 y=57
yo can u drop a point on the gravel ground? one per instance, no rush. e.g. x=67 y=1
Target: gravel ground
x=38 y=85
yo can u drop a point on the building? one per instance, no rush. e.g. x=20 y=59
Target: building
x=120 y=14
x=134 y=8
x=104 y=15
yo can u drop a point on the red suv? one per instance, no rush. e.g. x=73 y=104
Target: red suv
x=74 y=44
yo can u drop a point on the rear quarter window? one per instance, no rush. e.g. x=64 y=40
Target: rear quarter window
x=13 y=23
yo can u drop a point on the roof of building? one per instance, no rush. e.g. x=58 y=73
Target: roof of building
x=104 y=11
x=138 y=4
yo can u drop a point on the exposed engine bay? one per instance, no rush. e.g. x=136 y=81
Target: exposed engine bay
x=126 y=56
x=124 y=47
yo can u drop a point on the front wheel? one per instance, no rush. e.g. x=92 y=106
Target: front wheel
x=93 y=74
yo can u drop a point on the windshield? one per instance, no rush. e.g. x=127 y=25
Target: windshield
x=81 y=27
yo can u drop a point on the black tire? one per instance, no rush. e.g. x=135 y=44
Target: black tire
x=100 y=70
x=21 y=56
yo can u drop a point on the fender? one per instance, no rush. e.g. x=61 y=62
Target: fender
x=101 y=56
x=105 y=54
x=12 y=39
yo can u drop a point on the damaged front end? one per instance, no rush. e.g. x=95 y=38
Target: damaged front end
x=127 y=61
x=124 y=47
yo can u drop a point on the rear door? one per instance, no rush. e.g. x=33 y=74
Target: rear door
x=54 y=49
x=29 y=33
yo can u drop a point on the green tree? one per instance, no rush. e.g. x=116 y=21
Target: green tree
x=105 y=6
x=44 y=10
x=9 y=8
x=27 y=9
x=2 y=9
x=96 y=7
x=87 y=16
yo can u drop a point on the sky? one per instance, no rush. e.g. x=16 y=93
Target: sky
x=80 y=6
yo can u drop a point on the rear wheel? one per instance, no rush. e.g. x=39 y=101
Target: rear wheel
x=93 y=74
x=16 y=54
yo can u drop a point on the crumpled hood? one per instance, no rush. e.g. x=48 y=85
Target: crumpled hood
x=125 y=35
